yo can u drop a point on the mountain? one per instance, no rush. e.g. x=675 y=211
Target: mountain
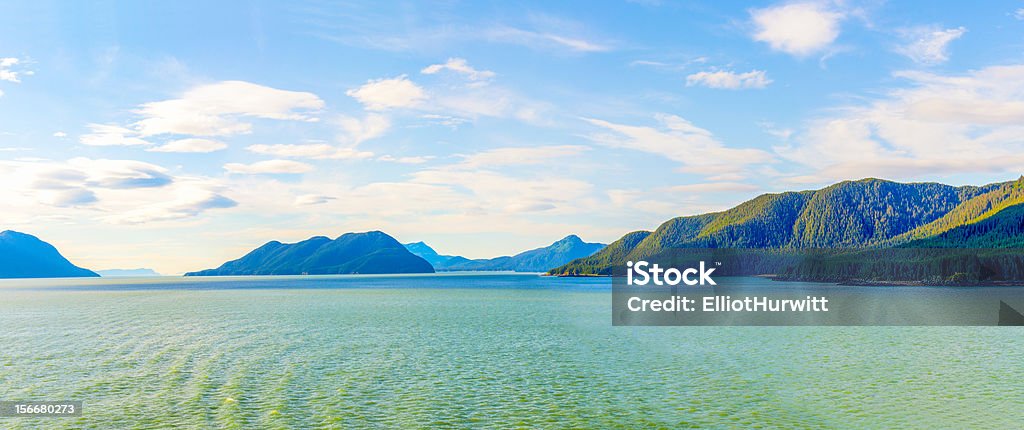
x=25 y=256
x=850 y=214
x=436 y=260
x=535 y=260
x=120 y=273
x=365 y=253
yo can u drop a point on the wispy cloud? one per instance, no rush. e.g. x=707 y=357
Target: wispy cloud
x=216 y=109
x=269 y=167
x=114 y=191
x=940 y=124
x=523 y=155
x=310 y=150
x=544 y=40
x=714 y=187
x=729 y=80
x=679 y=140
x=461 y=66
x=190 y=145
x=111 y=135
x=928 y=45
x=359 y=130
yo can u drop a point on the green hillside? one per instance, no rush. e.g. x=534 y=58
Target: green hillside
x=974 y=210
x=850 y=214
x=1001 y=229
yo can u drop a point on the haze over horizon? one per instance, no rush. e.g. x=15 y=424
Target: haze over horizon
x=177 y=136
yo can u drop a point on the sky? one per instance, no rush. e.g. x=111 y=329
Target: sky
x=179 y=135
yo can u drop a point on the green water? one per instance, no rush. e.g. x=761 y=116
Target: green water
x=471 y=351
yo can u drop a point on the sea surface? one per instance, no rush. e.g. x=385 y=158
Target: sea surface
x=470 y=350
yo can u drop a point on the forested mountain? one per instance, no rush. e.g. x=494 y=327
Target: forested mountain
x=975 y=210
x=371 y=252
x=850 y=214
x=25 y=256
x=535 y=260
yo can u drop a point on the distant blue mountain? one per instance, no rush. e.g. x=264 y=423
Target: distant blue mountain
x=370 y=252
x=121 y=273
x=436 y=260
x=25 y=256
x=536 y=260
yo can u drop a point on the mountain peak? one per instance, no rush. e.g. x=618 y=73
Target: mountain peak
x=17 y=234
x=369 y=252
x=27 y=256
x=420 y=248
x=572 y=238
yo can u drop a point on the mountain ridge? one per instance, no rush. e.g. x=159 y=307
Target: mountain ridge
x=869 y=212
x=534 y=260
x=372 y=252
x=27 y=256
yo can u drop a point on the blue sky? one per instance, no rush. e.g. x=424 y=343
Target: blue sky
x=177 y=135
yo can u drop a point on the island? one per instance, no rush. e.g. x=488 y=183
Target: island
x=371 y=252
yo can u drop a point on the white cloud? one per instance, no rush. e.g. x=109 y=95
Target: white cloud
x=451 y=105
x=681 y=141
x=729 y=80
x=190 y=145
x=269 y=167
x=384 y=94
x=111 y=135
x=937 y=125
x=798 y=29
x=460 y=66
x=60 y=134
x=310 y=150
x=7 y=72
x=929 y=45
x=358 y=130
x=218 y=109
x=1019 y=14
x=112 y=191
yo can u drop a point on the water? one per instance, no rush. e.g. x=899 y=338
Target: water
x=470 y=351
